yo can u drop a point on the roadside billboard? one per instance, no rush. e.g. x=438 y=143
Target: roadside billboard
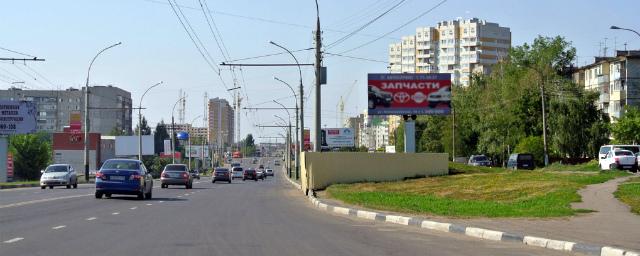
x=17 y=117
x=307 y=140
x=75 y=121
x=128 y=145
x=338 y=137
x=196 y=151
x=409 y=94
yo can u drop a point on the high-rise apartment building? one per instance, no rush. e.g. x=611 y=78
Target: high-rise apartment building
x=221 y=122
x=110 y=107
x=459 y=47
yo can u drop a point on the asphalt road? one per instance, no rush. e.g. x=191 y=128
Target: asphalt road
x=243 y=218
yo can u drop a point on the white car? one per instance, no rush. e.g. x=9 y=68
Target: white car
x=59 y=175
x=606 y=148
x=237 y=173
x=619 y=159
x=442 y=96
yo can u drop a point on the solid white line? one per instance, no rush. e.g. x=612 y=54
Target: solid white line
x=13 y=240
x=58 y=227
x=92 y=218
x=133 y=208
x=41 y=201
x=115 y=213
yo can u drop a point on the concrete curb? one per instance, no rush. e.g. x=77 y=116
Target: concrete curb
x=19 y=186
x=480 y=233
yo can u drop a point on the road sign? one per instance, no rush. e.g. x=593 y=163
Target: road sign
x=17 y=117
x=9 y=167
x=409 y=94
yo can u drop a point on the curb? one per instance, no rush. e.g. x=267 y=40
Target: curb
x=19 y=186
x=480 y=233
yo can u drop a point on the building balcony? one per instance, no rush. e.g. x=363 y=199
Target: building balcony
x=603 y=79
x=604 y=97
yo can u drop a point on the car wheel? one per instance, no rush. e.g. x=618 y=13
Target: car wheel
x=75 y=185
x=387 y=104
x=107 y=195
x=50 y=187
x=148 y=195
x=613 y=167
x=140 y=196
x=229 y=181
x=43 y=187
x=371 y=104
x=432 y=105
x=68 y=186
x=98 y=195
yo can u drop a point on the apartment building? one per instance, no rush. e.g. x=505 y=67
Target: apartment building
x=221 y=122
x=194 y=132
x=110 y=107
x=617 y=79
x=459 y=47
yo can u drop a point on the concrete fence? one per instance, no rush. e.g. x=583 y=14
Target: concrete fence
x=319 y=170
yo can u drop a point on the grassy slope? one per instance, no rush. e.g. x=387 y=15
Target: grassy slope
x=629 y=193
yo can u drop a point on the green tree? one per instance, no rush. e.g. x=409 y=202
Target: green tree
x=627 y=129
x=146 y=130
x=159 y=135
x=116 y=131
x=248 y=147
x=31 y=153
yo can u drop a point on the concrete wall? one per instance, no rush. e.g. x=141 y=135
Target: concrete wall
x=320 y=170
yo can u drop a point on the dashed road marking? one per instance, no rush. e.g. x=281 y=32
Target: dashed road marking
x=91 y=218
x=160 y=201
x=59 y=227
x=186 y=194
x=149 y=204
x=133 y=208
x=179 y=196
x=13 y=240
x=115 y=213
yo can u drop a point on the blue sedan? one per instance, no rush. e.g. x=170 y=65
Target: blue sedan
x=124 y=177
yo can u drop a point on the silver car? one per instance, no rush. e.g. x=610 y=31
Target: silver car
x=58 y=175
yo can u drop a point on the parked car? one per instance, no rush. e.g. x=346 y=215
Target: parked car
x=221 y=174
x=195 y=174
x=250 y=174
x=237 y=173
x=377 y=97
x=176 y=174
x=521 y=161
x=269 y=172
x=58 y=175
x=479 y=160
x=606 y=148
x=619 y=159
x=124 y=177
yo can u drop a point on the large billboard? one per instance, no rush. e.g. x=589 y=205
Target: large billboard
x=17 y=117
x=128 y=145
x=196 y=151
x=338 y=137
x=409 y=94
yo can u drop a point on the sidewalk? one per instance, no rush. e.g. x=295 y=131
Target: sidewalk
x=612 y=225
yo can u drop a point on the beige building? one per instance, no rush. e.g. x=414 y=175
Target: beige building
x=459 y=47
x=221 y=122
x=617 y=79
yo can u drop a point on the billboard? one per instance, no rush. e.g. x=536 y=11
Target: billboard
x=338 y=137
x=196 y=151
x=75 y=121
x=409 y=94
x=307 y=140
x=17 y=117
x=128 y=145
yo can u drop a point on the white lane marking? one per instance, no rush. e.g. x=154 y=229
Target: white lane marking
x=133 y=208
x=149 y=204
x=115 y=213
x=179 y=196
x=186 y=194
x=41 y=201
x=91 y=218
x=13 y=240
x=59 y=227
x=160 y=201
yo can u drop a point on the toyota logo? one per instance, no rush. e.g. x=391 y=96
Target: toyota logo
x=401 y=97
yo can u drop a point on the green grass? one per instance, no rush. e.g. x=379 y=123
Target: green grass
x=19 y=182
x=477 y=192
x=629 y=193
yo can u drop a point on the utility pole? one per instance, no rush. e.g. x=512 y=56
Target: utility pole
x=318 y=67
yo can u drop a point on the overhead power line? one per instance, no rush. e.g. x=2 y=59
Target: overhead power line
x=17 y=52
x=356 y=58
x=396 y=29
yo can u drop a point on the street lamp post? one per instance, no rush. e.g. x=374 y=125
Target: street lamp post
x=301 y=106
x=288 y=137
x=189 y=139
x=173 y=130
x=86 y=113
x=140 y=121
x=296 y=156
x=628 y=29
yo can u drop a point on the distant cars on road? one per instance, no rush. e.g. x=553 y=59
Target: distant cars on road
x=221 y=174
x=124 y=177
x=176 y=174
x=195 y=174
x=237 y=173
x=250 y=174
x=58 y=175
x=269 y=172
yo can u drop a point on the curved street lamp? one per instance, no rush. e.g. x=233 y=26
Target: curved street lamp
x=173 y=127
x=86 y=112
x=140 y=120
x=628 y=29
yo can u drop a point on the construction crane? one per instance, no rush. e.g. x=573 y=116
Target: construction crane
x=340 y=106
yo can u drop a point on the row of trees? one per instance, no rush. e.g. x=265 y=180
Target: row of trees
x=502 y=112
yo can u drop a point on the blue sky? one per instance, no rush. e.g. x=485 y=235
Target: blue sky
x=156 y=48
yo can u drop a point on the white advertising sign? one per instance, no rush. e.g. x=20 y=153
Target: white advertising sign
x=196 y=151
x=338 y=137
x=128 y=145
x=17 y=117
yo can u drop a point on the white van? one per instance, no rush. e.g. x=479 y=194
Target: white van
x=606 y=148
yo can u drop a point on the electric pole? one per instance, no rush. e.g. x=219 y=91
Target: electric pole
x=318 y=67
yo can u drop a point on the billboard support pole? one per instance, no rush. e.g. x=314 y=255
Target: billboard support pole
x=409 y=134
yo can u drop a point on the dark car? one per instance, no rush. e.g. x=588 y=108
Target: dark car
x=377 y=97
x=521 y=161
x=195 y=174
x=124 y=177
x=250 y=174
x=176 y=174
x=221 y=174
x=479 y=160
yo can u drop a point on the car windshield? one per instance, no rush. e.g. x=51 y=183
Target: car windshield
x=121 y=165
x=480 y=158
x=526 y=157
x=175 y=168
x=624 y=153
x=237 y=169
x=56 y=168
x=634 y=149
x=222 y=170
x=604 y=150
